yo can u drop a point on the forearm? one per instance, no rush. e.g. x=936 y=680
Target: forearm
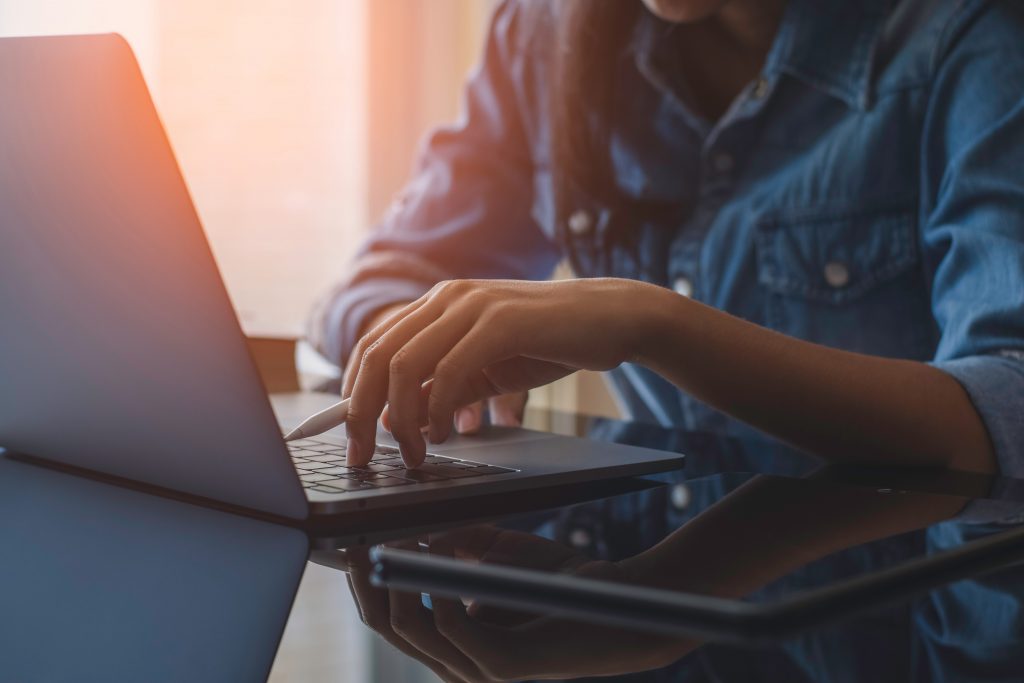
x=771 y=526
x=838 y=404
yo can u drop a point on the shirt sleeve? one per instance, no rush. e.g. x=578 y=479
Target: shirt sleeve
x=467 y=211
x=973 y=234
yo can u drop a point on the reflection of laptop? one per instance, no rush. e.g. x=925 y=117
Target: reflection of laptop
x=120 y=352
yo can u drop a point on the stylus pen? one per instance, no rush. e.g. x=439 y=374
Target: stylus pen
x=688 y=614
x=328 y=418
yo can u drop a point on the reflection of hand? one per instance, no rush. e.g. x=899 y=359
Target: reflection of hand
x=763 y=530
x=485 y=644
x=474 y=339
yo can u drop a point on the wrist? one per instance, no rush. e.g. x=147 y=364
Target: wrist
x=657 y=322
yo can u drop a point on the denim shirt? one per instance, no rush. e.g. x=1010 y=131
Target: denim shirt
x=866 y=192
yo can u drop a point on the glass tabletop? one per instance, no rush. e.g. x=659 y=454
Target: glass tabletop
x=101 y=582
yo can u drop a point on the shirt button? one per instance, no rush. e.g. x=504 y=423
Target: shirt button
x=760 y=88
x=580 y=222
x=837 y=274
x=683 y=286
x=579 y=538
x=723 y=162
x=680 y=496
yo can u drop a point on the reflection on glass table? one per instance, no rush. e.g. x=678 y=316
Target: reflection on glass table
x=101 y=582
x=724 y=529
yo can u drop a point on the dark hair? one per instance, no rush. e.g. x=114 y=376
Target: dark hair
x=590 y=36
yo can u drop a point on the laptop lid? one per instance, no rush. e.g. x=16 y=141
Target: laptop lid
x=119 y=351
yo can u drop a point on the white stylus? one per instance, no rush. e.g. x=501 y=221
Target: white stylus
x=328 y=418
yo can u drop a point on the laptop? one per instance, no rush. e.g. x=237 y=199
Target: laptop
x=120 y=352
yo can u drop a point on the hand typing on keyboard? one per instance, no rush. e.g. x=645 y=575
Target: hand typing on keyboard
x=322 y=467
x=468 y=340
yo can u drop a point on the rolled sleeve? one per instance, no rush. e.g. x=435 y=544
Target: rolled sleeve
x=344 y=311
x=995 y=385
x=973 y=208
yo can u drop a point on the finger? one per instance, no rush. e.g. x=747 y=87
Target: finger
x=410 y=367
x=511 y=376
x=469 y=418
x=414 y=624
x=367 y=339
x=453 y=623
x=460 y=374
x=385 y=416
x=507 y=410
x=370 y=387
x=375 y=611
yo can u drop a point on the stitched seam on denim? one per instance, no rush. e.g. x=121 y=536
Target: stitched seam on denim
x=823 y=213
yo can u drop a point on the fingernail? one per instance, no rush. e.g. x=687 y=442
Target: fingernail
x=464 y=421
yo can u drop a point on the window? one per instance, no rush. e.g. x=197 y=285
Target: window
x=267 y=106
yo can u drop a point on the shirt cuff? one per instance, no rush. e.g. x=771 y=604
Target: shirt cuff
x=995 y=385
x=346 y=311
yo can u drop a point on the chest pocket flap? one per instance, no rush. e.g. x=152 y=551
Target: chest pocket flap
x=833 y=257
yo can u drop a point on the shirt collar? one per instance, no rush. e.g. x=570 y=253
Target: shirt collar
x=828 y=44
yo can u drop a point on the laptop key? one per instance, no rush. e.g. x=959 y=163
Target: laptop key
x=462 y=465
x=336 y=470
x=314 y=476
x=322 y=447
x=326 y=457
x=359 y=474
x=414 y=475
x=382 y=466
x=325 y=489
x=301 y=443
x=313 y=465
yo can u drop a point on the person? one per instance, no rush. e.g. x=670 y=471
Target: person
x=802 y=217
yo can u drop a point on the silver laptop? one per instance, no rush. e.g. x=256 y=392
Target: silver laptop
x=119 y=349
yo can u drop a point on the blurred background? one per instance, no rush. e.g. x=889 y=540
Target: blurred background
x=295 y=123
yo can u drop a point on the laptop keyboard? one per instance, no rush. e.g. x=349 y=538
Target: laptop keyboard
x=321 y=467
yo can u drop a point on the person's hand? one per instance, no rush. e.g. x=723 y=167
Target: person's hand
x=506 y=410
x=468 y=340
x=478 y=643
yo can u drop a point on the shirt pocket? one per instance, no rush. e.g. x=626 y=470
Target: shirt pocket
x=847 y=279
